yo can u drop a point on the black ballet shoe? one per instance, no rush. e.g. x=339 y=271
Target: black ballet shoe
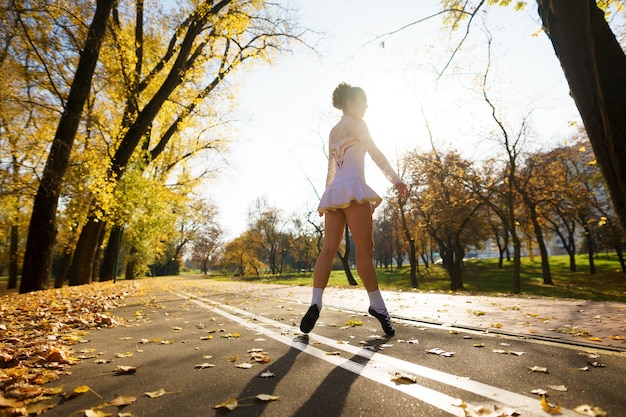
x=309 y=319
x=385 y=321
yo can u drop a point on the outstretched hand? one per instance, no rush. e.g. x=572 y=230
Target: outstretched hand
x=403 y=191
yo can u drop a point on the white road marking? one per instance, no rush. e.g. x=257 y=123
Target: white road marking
x=372 y=369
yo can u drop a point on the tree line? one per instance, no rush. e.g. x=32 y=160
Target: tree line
x=457 y=205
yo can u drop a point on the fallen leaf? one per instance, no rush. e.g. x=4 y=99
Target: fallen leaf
x=440 y=352
x=267 y=397
x=125 y=370
x=267 y=374
x=40 y=407
x=597 y=364
x=537 y=369
x=539 y=391
x=124 y=355
x=156 y=394
x=561 y=388
x=549 y=408
x=617 y=337
x=403 y=378
x=587 y=410
x=77 y=391
x=244 y=365
x=230 y=404
x=122 y=401
x=94 y=412
x=204 y=366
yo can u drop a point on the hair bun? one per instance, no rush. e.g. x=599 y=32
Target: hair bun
x=340 y=95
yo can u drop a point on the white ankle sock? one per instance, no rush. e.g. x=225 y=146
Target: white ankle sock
x=376 y=301
x=317 y=297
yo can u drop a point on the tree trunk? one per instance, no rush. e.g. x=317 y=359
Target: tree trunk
x=345 y=258
x=108 y=270
x=42 y=228
x=457 y=270
x=543 y=251
x=595 y=67
x=413 y=263
x=620 y=256
x=13 y=257
x=590 y=250
x=82 y=267
x=412 y=253
x=66 y=261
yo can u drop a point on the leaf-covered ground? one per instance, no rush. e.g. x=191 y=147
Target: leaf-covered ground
x=37 y=333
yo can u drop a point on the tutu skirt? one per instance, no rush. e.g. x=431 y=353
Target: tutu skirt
x=339 y=195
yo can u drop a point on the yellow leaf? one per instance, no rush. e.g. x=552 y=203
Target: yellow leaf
x=40 y=407
x=616 y=337
x=549 y=408
x=77 y=391
x=230 y=404
x=594 y=339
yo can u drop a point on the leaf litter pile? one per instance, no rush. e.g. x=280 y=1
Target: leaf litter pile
x=37 y=333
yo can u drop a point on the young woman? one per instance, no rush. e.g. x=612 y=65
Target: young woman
x=348 y=198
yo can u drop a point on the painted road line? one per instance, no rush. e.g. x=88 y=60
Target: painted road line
x=377 y=361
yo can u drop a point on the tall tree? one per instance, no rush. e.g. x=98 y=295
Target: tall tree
x=533 y=190
x=42 y=230
x=594 y=65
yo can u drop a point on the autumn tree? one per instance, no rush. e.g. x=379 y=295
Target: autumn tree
x=207 y=43
x=42 y=232
x=383 y=235
x=446 y=208
x=594 y=65
x=207 y=237
x=304 y=248
x=239 y=255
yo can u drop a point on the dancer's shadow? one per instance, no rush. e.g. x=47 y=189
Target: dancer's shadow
x=329 y=399
x=279 y=369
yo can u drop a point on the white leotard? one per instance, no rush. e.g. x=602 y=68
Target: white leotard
x=345 y=181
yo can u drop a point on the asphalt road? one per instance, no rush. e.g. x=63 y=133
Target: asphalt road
x=202 y=344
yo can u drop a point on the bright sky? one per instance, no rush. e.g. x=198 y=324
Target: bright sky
x=280 y=151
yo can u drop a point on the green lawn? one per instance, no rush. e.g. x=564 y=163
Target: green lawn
x=484 y=277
